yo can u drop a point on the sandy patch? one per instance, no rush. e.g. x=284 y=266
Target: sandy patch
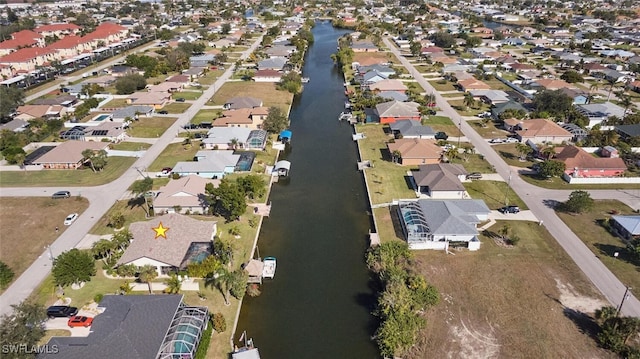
x=570 y=299
x=474 y=343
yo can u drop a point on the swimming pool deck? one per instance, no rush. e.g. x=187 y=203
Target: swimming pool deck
x=261 y=209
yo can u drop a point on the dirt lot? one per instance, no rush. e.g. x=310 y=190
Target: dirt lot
x=527 y=301
x=28 y=225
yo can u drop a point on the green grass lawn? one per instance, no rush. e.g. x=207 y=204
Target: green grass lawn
x=588 y=226
x=386 y=180
x=150 y=127
x=210 y=77
x=52 y=178
x=489 y=130
x=425 y=68
x=206 y=116
x=463 y=110
x=174 y=153
x=414 y=86
x=188 y=95
x=442 y=123
x=511 y=156
x=559 y=183
x=131 y=146
x=442 y=85
x=267 y=92
x=473 y=162
x=496 y=84
x=116 y=103
x=494 y=193
x=176 y=107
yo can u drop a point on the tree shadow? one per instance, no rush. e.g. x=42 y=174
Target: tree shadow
x=507 y=155
x=624 y=254
x=585 y=323
x=551 y=203
x=410 y=183
x=385 y=154
x=136 y=202
x=395 y=221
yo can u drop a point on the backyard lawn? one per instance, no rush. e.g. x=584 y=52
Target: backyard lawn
x=176 y=107
x=150 y=127
x=443 y=85
x=131 y=146
x=28 y=225
x=210 y=77
x=386 y=180
x=589 y=227
x=116 y=103
x=494 y=193
x=54 y=178
x=175 y=152
x=267 y=92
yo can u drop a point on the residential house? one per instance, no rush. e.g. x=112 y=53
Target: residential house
x=389 y=112
x=284 y=51
x=440 y=180
x=579 y=97
x=68 y=155
x=627 y=227
x=157 y=100
x=539 y=131
x=599 y=112
x=235 y=137
x=30 y=112
x=498 y=109
x=131 y=113
x=433 y=224
x=166 y=86
x=243 y=117
x=388 y=85
x=472 y=84
x=393 y=96
x=185 y=195
x=411 y=129
x=491 y=97
x=383 y=70
x=235 y=103
x=276 y=63
x=413 y=151
x=267 y=76
x=371 y=77
x=106 y=131
x=136 y=327
x=209 y=164
x=202 y=60
x=66 y=101
x=627 y=132
x=14 y=125
x=168 y=242
x=580 y=163
x=363 y=46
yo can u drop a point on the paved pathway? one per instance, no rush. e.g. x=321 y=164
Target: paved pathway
x=538 y=200
x=101 y=199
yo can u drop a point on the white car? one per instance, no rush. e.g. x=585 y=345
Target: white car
x=496 y=140
x=70 y=219
x=511 y=140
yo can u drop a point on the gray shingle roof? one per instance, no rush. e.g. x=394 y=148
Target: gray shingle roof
x=440 y=176
x=397 y=109
x=132 y=327
x=411 y=128
x=454 y=216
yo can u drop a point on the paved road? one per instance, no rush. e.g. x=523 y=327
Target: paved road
x=101 y=199
x=537 y=199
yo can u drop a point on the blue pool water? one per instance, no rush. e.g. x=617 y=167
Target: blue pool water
x=101 y=118
x=245 y=162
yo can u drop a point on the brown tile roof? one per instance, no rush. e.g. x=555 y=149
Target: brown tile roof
x=185 y=192
x=33 y=110
x=440 y=176
x=415 y=148
x=388 y=85
x=183 y=231
x=26 y=54
x=70 y=152
x=473 y=84
x=576 y=157
x=541 y=127
x=554 y=84
x=57 y=27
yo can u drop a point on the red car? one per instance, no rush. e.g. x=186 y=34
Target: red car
x=79 y=321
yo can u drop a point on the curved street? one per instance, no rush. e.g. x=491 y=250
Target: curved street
x=537 y=199
x=101 y=198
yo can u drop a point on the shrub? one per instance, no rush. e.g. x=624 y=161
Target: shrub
x=6 y=275
x=253 y=290
x=98 y=297
x=127 y=270
x=219 y=323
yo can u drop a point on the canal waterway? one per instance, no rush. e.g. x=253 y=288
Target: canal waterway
x=319 y=303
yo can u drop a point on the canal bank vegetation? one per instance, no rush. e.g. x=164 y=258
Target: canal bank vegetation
x=403 y=297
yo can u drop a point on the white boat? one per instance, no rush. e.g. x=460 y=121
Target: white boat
x=269 y=269
x=304 y=80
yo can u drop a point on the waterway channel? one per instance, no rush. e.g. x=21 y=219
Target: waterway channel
x=319 y=303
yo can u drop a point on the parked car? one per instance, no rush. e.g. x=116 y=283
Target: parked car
x=441 y=136
x=61 y=194
x=474 y=175
x=165 y=172
x=70 y=219
x=484 y=114
x=180 y=99
x=511 y=140
x=496 y=140
x=509 y=209
x=59 y=311
x=163 y=112
x=79 y=321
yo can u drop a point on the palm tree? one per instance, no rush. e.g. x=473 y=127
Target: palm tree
x=140 y=188
x=396 y=156
x=611 y=84
x=147 y=274
x=87 y=156
x=548 y=151
x=174 y=284
x=626 y=103
x=523 y=150
x=222 y=280
x=504 y=231
x=469 y=101
x=593 y=88
x=103 y=249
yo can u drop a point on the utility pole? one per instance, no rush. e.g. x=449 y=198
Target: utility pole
x=459 y=131
x=506 y=192
x=50 y=254
x=624 y=297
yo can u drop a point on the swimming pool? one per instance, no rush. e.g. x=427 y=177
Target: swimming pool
x=101 y=117
x=245 y=162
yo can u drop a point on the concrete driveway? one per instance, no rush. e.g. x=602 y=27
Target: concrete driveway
x=61 y=323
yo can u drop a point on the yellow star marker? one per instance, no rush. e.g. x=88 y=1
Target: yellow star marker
x=161 y=231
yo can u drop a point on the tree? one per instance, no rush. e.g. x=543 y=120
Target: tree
x=415 y=48
x=276 y=120
x=116 y=219
x=626 y=103
x=10 y=99
x=473 y=41
x=572 y=77
x=238 y=285
x=73 y=267
x=443 y=39
x=222 y=280
x=504 y=231
x=549 y=168
x=469 y=101
x=223 y=249
x=147 y=274
x=524 y=150
x=555 y=103
x=225 y=28
x=6 y=275
x=87 y=156
x=129 y=84
x=173 y=284
x=254 y=186
x=228 y=199
x=578 y=202
x=103 y=249
x=219 y=323
x=140 y=188
x=291 y=82
x=24 y=327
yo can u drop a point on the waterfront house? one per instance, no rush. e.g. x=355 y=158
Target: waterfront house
x=392 y=111
x=538 y=131
x=413 y=151
x=209 y=164
x=411 y=129
x=440 y=180
x=580 y=163
x=386 y=85
x=243 y=117
x=184 y=195
x=235 y=103
x=226 y=138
